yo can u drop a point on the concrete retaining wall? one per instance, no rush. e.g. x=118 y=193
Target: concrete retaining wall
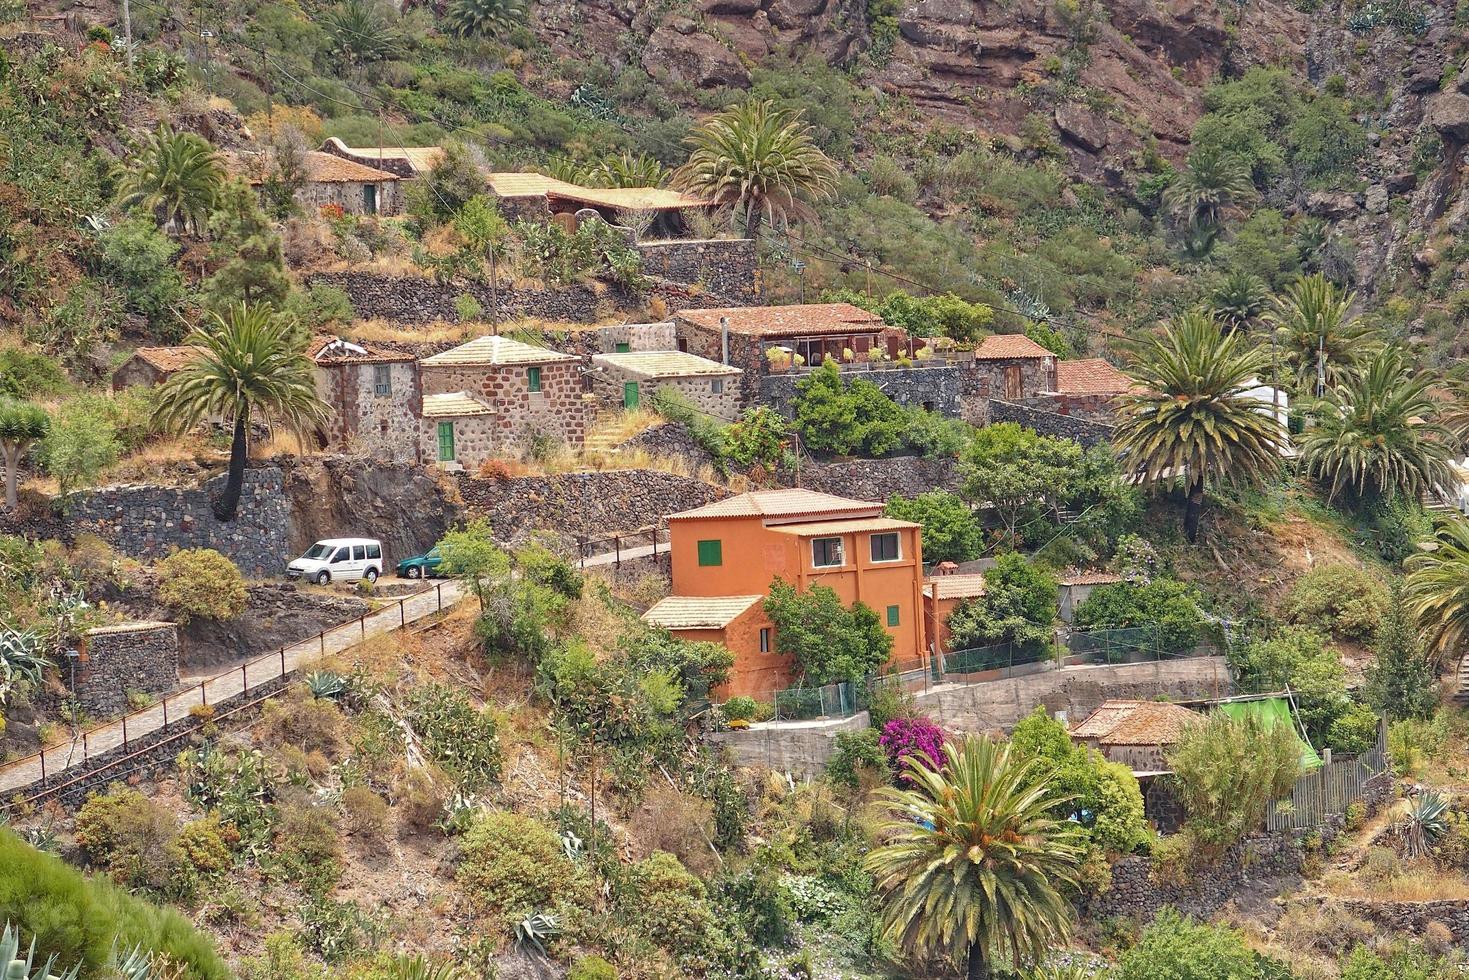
x=801 y=748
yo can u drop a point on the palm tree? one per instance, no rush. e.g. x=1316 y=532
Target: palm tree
x=1315 y=328
x=466 y=18
x=1190 y=422
x=21 y=426
x=1239 y=299
x=759 y=160
x=1437 y=591
x=626 y=170
x=249 y=367
x=1377 y=433
x=972 y=861
x=360 y=32
x=1204 y=190
x=177 y=177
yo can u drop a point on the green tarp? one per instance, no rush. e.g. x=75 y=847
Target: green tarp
x=1274 y=711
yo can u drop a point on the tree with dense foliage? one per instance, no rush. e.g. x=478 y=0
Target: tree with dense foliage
x=1227 y=771
x=80 y=444
x=176 y=177
x=759 y=160
x=1191 y=422
x=1021 y=475
x=250 y=371
x=758 y=438
x=468 y=18
x=1402 y=681
x=1103 y=796
x=22 y=425
x=1437 y=591
x=472 y=554
x=951 y=531
x=1018 y=607
x=1317 y=332
x=201 y=583
x=1344 y=599
x=923 y=316
x=1167 y=609
x=835 y=414
x=972 y=861
x=1377 y=435
x=826 y=640
x=1298 y=657
x=251 y=259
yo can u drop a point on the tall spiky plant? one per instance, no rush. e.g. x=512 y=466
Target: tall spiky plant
x=972 y=863
x=467 y=18
x=251 y=368
x=177 y=177
x=1190 y=422
x=1208 y=186
x=136 y=965
x=1239 y=299
x=761 y=161
x=1437 y=591
x=626 y=170
x=1377 y=435
x=1318 y=334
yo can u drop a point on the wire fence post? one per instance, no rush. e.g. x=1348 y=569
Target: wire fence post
x=203 y=695
x=165 y=712
x=84 y=746
x=124 y=733
x=283 y=661
x=362 y=622
x=43 y=765
x=321 y=638
x=244 y=680
x=439 y=591
x=402 y=615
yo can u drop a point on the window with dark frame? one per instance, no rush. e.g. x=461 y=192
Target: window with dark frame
x=716 y=387
x=826 y=552
x=382 y=380
x=711 y=553
x=892 y=615
x=533 y=378
x=765 y=640
x=885 y=546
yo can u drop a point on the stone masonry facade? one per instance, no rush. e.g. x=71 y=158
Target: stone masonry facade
x=723 y=268
x=116 y=661
x=939 y=388
x=559 y=409
x=1086 y=431
x=378 y=419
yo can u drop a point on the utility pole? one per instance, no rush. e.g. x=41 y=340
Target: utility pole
x=127 y=28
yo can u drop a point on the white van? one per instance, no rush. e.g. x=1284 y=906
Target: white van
x=339 y=560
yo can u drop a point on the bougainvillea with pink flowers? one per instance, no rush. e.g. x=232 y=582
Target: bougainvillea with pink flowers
x=903 y=737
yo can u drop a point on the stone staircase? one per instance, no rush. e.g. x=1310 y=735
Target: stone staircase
x=1461 y=682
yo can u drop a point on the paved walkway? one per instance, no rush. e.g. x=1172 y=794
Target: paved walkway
x=411 y=609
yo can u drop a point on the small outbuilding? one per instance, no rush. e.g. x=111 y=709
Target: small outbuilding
x=941 y=596
x=1011 y=366
x=1074 y=586
x=373 y=394
x=331 y=180
x=625 y=378
x=150 y=366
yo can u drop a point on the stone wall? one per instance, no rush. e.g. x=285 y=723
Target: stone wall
x=1415 y=917
x=276 y=614
x=670 y=439
x=1017 y=377
x=349 y=196
x=591 y=505
x=718 y=396
x=1096 y=408
x=724 y=268
x=410 y=299
x=152 y=521
x=118 y=660
x=1085 y=431
x=998 y=704
x=939 y=388
x=801 y=748
x=1135 y=894
x=879 y=479
x=367 y=421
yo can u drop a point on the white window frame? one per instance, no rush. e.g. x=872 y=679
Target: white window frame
x=841 y=553
x=871 y=540
x=716 y=387
x=383 y=388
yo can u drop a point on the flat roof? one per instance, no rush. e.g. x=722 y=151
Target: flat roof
x=679 y=612
x=798 y=320
x=497 y=350
x=665 y=364
x=458 y=404
x=420 y=158
x=782 y=503
x=811 y=529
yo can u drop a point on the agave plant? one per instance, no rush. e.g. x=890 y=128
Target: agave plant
x=20 y=660
x=420 y=967
x=136 y=965
x=1421 y=824
x=536 y=930
x=326 y=684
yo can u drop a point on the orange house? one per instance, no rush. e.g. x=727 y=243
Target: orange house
x=725 y=555
x=941 y=594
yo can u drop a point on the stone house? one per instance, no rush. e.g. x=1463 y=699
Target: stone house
x=374 y=395
x=623 y=380
x=1086 y=387
x=493 y=394
x=745 y=336
x=1139 y=735
x=534 y=196
x=1073 y=587
x=406 y=162
x=1011 y=367
x=151 y=366
x=333 y=180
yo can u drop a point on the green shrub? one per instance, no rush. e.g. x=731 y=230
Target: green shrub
x=1354 y=731
x=80 y=919
x=591 y=967
x=739 y=708
x=201 y=583
x=1228 y=770
x=26 y=374
x=1347 y=600
x=1298 y=658
x=1018 y=607
x=206 y=843
x=856 y=753
x=135 y=839
x=462 y=739
x=513 y=867
x=308 y=845
x=1181 y=949
x=826 y=640
x=951 y=531
x=666 y=904
x=1400 y=526
x=1167 y=608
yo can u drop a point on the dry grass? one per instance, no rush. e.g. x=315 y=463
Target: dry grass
x=622 y=426
x=1417 y=882
x=387 y=331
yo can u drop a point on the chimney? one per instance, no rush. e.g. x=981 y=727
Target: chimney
x=945 y=568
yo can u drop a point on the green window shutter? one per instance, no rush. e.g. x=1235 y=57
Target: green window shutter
x=892 y=615
x=624 y=348
x=533 y=378
x=711 y=553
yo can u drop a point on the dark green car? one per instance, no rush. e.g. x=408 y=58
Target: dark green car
x=421 y=566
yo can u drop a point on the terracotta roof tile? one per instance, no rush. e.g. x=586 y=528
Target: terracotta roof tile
x=335 y=350
x=629 y=198
x=1136 y=723
x=810 y=319
x=665 y=364
x=782 y=503
x=1009 y=346
x=807 y=529
x=456 y=405
x=678 y=612
x=496 y=351
x=1087 y=577
x=168 y=359
x=1091 y=376
x=320 y=168
x=967 y=585
x=526 y=184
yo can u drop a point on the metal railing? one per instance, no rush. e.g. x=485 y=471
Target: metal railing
x=110 y=736
x=588 y=547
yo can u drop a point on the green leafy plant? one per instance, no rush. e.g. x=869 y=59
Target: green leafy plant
x=826 y=640
x=176 y=177
x=1018 y=607
x=201 y=583
x=1420 y=823
x=1228 y=770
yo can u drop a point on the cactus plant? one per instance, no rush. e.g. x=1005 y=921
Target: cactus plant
x=326 y=684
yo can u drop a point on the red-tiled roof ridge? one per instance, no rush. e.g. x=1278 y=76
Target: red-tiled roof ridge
x=168 y=359
x=347 y=351
x=1091 y=376
x=791 y=502
x=1126 y=722
x=1009 y=346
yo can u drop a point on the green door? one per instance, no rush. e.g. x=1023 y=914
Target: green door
x=624 y=348
x=369 y=199
x=630 y=394
x=446 y=442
